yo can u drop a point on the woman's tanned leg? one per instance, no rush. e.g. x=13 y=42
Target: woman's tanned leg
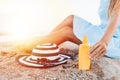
x=60 y=36
x=63 y=32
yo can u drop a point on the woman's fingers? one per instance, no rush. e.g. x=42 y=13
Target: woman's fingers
x=98 y=50
x=94 y=50
x=94 y=47
x=102 y=54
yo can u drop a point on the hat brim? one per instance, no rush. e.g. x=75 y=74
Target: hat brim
x=26 y=61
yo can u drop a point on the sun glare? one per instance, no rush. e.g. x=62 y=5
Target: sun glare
x=30 y=20
x=27 y=18
x=20 y=30
x=18 y=34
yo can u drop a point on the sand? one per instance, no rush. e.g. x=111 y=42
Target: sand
x=10 y=69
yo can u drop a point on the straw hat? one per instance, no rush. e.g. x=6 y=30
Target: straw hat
x=46 y=55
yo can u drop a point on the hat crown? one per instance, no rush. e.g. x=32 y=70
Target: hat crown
x=49 y=49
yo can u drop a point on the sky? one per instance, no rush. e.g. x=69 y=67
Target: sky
x=26 y=17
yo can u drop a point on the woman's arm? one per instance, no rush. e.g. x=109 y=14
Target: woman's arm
x=100 y=48
x=112 y=26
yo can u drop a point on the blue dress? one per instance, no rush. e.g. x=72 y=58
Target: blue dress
x=82 y=27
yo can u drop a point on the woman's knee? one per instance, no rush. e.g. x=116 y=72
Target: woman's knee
x=69 y=21
x=70 y=17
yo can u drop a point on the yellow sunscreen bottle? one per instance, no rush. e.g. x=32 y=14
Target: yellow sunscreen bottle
x=83 y=57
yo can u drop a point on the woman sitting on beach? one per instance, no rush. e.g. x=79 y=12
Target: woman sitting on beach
x=104 y=38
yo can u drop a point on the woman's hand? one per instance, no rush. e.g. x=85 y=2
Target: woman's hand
x=98 y=50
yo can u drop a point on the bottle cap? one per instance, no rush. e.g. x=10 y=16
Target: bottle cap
x=85 y=40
